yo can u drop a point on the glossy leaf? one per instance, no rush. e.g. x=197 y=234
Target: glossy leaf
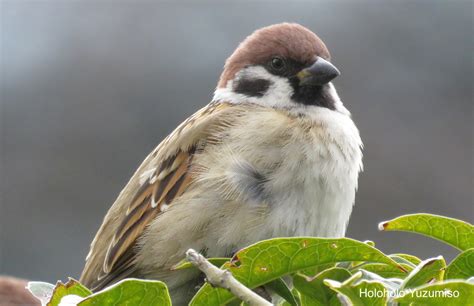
x=354 y=264
x=131 y=292
x=392 y=284
x=270 y=259
x=452 y=293
x=311 y=272
x=313 y=291
x=456 y=233
x=427 y=271
x=361 y=292
x=387 y=271
x=415 y=261
x=72 y=287
x=462 y=267
x=281 y=288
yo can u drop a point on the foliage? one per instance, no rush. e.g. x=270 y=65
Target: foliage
x=309 y=271
x=456 y=233
x=126 y=292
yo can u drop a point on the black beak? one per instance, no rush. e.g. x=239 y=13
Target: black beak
x=320 y=73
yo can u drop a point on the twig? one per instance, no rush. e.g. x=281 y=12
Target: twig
x=224 y=279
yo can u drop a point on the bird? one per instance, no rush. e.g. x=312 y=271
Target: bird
x=274 y=154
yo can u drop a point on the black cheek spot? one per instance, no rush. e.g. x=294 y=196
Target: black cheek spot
x=252 y=87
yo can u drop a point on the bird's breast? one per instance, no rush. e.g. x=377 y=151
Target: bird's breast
x=285 y=175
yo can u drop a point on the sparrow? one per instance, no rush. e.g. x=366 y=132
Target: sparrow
x=274 y=154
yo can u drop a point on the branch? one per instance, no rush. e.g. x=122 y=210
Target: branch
x=224 y=279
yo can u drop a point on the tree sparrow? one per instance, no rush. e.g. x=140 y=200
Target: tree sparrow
x=275 y=154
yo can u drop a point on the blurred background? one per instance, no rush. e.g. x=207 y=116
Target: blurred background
x=89 y=88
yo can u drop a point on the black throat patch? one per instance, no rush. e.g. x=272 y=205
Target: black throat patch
x=251 y=87
x=312 y=95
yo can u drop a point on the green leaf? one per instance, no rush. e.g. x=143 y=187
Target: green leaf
x=387 y=271
x=427 y=271
x=270 y=259
x=360 y=292
x=131 y=292
x=184 y=264
x=456 y=233
x=281 y=288
x=391 y=284
x=370 y=242
x=310 y=272
x=353 y=264
x=462 y=267
x=415 y=261
x=452 y=293
x=295 y=293
x=313 y=291
x=71 y=287
x=356 y=263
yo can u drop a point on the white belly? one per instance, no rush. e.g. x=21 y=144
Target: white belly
x=310 y=172
x=309 y=168
x=315 y=200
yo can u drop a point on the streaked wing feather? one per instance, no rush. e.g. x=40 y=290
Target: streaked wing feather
x=169 y=179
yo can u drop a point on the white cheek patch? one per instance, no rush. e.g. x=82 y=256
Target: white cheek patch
x=278 y=94
x=337 y=101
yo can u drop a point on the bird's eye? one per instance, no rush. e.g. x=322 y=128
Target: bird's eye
x=278 y=63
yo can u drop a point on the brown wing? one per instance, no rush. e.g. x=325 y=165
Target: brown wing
x=164 y=175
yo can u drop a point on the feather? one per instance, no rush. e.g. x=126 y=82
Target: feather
x=163 y=177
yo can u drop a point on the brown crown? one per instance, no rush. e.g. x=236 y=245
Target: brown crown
x=289 y=40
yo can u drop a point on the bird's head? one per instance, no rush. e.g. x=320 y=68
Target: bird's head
x=283 y=65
